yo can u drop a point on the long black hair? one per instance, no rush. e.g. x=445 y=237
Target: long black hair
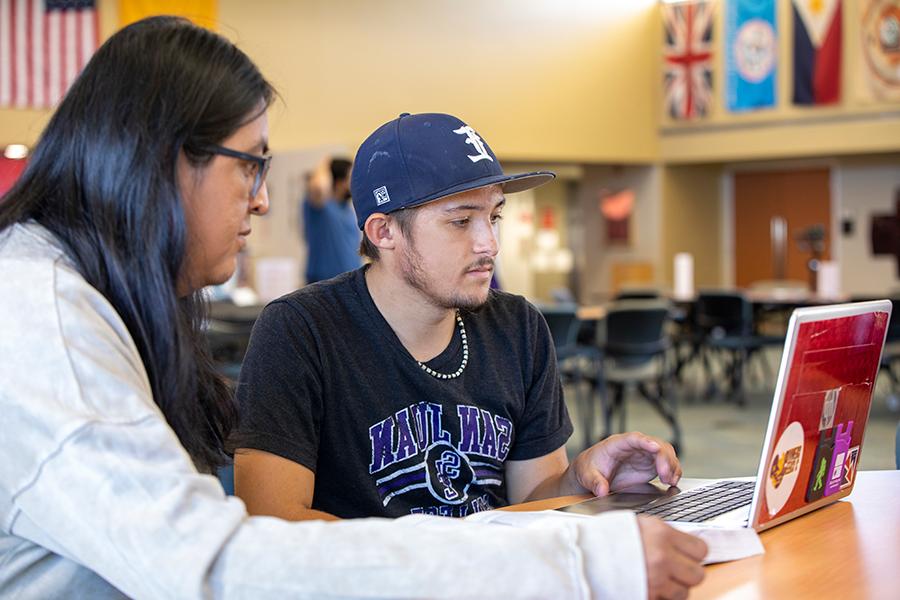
x=103 y=179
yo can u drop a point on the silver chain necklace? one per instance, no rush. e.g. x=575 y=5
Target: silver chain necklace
x=465 y=358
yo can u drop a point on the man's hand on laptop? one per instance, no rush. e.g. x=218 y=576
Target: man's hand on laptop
x=624 y=460
x=672 y=558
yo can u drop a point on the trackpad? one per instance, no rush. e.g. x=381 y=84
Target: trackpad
x=627 y=499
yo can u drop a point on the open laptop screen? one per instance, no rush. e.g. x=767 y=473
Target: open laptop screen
x=822 y=405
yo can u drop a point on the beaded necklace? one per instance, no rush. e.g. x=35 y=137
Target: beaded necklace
x=465 y=358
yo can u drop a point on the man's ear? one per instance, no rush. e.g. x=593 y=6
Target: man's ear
x=379 y=228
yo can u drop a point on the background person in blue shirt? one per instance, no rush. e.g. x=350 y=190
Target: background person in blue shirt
x=329 y=222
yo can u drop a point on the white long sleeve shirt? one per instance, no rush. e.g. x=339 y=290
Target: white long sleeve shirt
x=99 y=499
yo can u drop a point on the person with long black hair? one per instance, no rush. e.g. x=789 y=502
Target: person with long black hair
x=138 y=195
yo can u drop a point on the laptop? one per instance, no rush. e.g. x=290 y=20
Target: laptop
x=815 y=435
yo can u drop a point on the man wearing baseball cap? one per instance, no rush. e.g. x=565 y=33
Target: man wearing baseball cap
x=408 y=386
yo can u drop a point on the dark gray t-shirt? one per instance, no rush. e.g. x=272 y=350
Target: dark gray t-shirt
x=327 y=384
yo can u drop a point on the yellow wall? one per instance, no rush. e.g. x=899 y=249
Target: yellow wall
x=541 y=80
x=568 y=80
x=552 y=196
x=644 y=246
x=851 y=127
x=545 y=81
x=692 y=213
x=21 y=126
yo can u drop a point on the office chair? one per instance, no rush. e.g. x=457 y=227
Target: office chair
x=637 y=294
x=578 y=363
x=228 y=330
x=635 y=354
x=562 y=320
x=724 y=321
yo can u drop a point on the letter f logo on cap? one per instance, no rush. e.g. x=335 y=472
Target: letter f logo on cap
x=472 y=138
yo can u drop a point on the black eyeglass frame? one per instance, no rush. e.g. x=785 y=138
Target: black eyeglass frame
x=262 y=162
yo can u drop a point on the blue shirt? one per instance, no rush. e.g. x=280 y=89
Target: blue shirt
x=332 y=239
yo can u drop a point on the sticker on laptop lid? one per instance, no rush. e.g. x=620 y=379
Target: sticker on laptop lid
x=850 y=467
x=784 y=469
x=819 y=473
x=839 y=457
x=829 y=407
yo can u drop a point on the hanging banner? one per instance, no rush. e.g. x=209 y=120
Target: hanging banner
x=751 y=54
x=202 y=12
x=817 y=51
x=687 y=58
x=879 y=50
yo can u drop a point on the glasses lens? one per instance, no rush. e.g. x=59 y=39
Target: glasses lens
x=261 y=173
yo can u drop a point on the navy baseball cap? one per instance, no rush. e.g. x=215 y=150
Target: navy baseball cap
x=416 y=159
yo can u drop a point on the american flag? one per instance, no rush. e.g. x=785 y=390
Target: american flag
x=44 y=44
x=688 y=58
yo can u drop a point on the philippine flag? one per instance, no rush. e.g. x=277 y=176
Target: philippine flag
x=817 y=51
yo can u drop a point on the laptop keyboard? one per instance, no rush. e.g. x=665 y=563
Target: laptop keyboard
x=703 y=503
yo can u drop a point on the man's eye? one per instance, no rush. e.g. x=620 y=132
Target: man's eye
x=461 y=222
x=496 y=218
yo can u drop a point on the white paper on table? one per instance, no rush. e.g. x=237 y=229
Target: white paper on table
x=522 y=518
x=725 y=543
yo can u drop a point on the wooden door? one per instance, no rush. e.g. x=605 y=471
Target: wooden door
x=802 y=199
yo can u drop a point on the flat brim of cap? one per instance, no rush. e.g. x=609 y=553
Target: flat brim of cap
x=527 y=181
x=509 y=183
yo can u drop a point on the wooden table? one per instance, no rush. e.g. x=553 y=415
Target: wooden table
x=850 y=549
x=591 y=313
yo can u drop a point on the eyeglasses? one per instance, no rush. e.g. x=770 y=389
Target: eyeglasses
x=261 y=162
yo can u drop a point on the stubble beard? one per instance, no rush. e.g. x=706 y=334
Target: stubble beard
x=415 y=275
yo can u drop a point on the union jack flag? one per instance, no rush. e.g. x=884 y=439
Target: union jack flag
x=688 y=58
